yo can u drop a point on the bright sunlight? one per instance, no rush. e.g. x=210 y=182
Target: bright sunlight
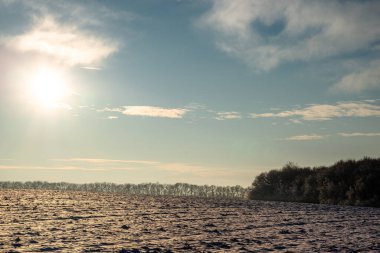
x=48 y=88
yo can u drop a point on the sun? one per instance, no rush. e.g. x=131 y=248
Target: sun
x=48 y=88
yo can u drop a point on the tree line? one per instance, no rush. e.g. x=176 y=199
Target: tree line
x=346 y=183
x=178 y=189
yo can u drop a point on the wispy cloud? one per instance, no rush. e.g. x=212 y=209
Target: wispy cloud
x=67 y=43
x=312 y=137
x=265 y=33
x=28 y=167
x=306 y=137
x=118 y=164
x=197 y=170
x=295 y=121
x=91 y=68
x=149 y=111
x=180 y=171
x=228 y=115
x=365 y=79
x=359 y=134
x=105 y=161
x=193 y=111
x=328 y=111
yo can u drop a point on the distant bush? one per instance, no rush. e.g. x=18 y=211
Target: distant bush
x=346 y=182
x=178 y=189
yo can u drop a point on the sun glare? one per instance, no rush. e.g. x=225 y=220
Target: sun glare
x=48 y=88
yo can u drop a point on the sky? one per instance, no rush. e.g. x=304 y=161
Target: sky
x=201 y=92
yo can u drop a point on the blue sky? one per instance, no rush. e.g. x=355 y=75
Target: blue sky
x=204 y=92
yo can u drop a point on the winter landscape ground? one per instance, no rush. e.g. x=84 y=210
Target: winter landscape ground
x=54 y=221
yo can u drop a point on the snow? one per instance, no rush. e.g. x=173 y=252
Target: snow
x=54 y=221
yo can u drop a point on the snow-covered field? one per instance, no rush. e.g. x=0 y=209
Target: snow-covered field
x=52 y=221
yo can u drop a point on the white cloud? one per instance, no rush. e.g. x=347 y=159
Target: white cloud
x=328 y=111
x=67 y=43
x=149 y=111
x=359 y=134
x=228 y=115
x=306 y=137
x=265 y=33
x=366 y=79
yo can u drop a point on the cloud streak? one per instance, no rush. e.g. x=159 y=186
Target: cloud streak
x=27 y=167
x=359 y=134
x=91 y=68
x=311 y=137
x=105 y=161
x=118 y=164
x=149 y=111
x=228 y=115
x=266 y=33
x=319 y=112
